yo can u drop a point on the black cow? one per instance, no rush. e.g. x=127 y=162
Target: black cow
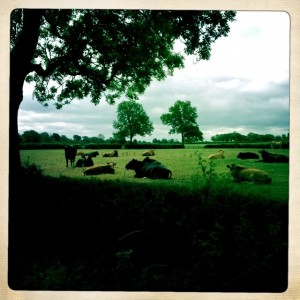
x=273 y=158
x=84 y=161
x=70 y=153
x=247 y=155
x=91 y=154
x=149 y=168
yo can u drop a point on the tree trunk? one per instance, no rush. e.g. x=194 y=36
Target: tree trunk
x=21 y=57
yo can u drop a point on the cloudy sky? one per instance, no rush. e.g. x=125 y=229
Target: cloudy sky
x=244 y=87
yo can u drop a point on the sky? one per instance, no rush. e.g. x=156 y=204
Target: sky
x=244 y=87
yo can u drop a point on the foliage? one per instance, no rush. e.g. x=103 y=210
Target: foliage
x=235 y=137
x=132 y=120
x=117 y=51
x=130 y=237
x=182 y=119
x=207 y=169
x=257 y=145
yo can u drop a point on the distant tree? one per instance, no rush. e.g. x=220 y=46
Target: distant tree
x=45 y=137
x=55 y=137
x=182 y=119
x=101 y=137
x=119 y=137
x=102 y=54
x=132 y=120
x=31 y=136
x=76 y=138
x=64 y=139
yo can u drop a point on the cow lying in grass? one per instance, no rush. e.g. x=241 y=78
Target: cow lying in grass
x=70 y=153
x=217 y=155
x=109 y=168
x=91 y=154
x=149 y=152
x=149 y=168
x=84 y=161
x=247 y=155
x=111 y=154
x=273 y=158
x=240 y=174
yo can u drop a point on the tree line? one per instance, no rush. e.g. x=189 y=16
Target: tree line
x=32 y=136
x=251 y=137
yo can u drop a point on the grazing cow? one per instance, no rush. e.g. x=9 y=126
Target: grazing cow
x=109 y=168
x=84 y=161
x=247 y=155
x=273 y=158
x=240 y=174
x=149 y=168
x=276 y=145
x=149 y=152
x=111 y=154
x=217 y=155
x=70 y=153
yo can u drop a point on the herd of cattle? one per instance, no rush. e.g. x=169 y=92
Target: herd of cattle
x=154 y=169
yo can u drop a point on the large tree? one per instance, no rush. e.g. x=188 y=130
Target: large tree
x=182 y=117
x=101 y=54
x=132 y=120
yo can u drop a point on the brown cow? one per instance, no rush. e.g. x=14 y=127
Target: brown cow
x=217 y=155
x=109 y=168
x=149 y=152
x=248 y=174
x=111 y=154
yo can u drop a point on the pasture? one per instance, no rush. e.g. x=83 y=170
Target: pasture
x=184 y=164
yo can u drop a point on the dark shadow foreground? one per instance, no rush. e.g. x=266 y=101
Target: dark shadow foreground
x=87 y=235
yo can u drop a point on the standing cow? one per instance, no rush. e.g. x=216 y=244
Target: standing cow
x=70 y=153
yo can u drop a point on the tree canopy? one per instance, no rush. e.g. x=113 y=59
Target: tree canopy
x=182 y=118
x=132 y=120
x=101 y=54
x=108 y=53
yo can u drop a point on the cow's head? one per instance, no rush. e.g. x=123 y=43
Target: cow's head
x=132 y=165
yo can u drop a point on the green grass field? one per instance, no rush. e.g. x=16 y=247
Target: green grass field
x=182 y=162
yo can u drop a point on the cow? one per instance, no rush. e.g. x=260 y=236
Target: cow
x=109 y=168
x=149 y=152
x=149 y=168
x=91 y=154
x=217 y=155
x=111 y=154
x=241 y=174
x=273 y=158
x=247 y=155
x=80 y=153
x=70 y=153
x=276 y=145
x=84 y=161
